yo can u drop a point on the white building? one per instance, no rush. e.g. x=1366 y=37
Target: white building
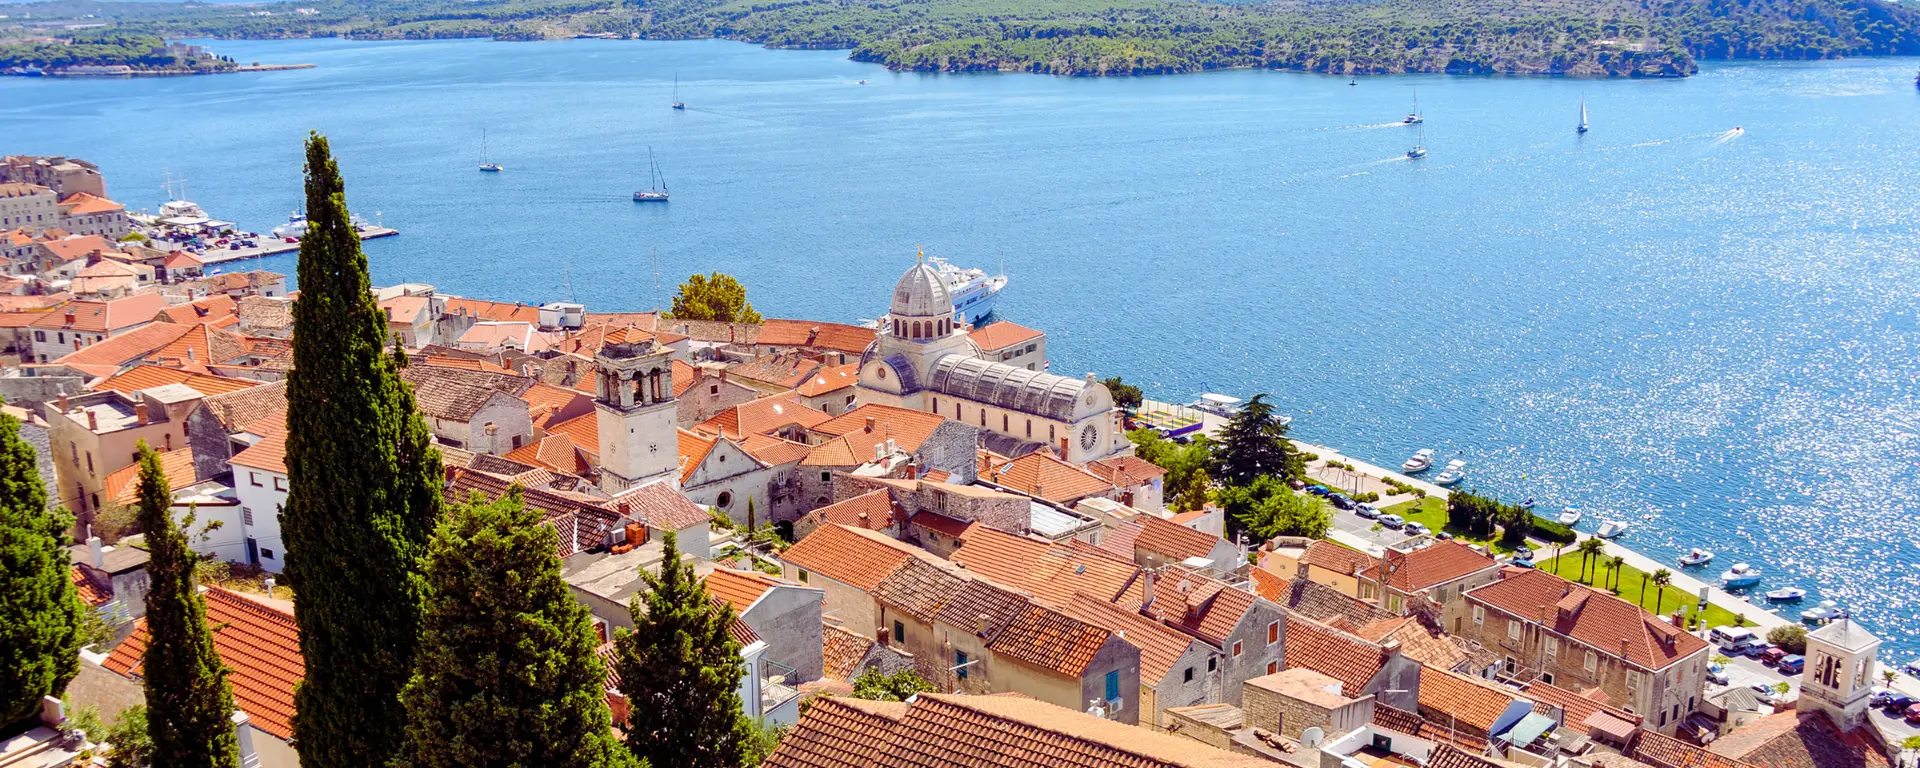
x=260 y=484
x=637 y=415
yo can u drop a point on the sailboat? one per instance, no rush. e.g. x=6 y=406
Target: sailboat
x=486 y=165
x=1582 y=127
x=677 y=104
x=1420 y=146
x=657 y=191
x=1414 y=118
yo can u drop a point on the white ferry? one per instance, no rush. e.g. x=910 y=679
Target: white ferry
x=973 y=290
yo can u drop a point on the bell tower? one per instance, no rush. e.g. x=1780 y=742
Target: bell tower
x=633 y=400
x=1839 y=676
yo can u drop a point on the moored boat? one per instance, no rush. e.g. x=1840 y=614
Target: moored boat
x=973 y=290
x=1786 y=594
x=1571 y=516
x=1826 y=611
x=1696 y=557
x=1740 y=576
x=1612 y=529
x=1421 y=461
x=1455 y=472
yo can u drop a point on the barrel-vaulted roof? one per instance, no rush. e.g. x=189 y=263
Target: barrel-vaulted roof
x=1006 y=386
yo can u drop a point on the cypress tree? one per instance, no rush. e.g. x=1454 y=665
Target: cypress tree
x=680 y=670
x=506 y=673
x=189 y=706
x=362 y=500
x=1253 y=444
x=40 y=611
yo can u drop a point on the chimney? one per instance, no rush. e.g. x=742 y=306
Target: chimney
x=140 y=414
x=982 y=623
x=1146 y=596
x=869 y=423
x=268 y=585
x=886 y=637
x=93 y=422
x=189 y=354
x=63 y=403
x=863 y=520
x=71 y=319
x=243 y=737
x=1624 y=645
x=96 y=552
x=1039 y=489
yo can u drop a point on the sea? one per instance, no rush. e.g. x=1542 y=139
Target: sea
x=1701 y=317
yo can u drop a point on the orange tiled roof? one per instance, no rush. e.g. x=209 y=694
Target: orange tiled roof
x=106 y=316
x=839 y=733
x=89 y=594
x=205 y=310
x=762 y=417
x=982 y=607
x=1412 y=724
x=844 y=555
x=83 y=203
x=842 y=651
x=1126 y=471
x=270 y=453
x=147 y=376
x=1429 y=566
x=1317 y=601
x=1043 y=475
x=1335 y=654
x=784 y=370
x=202 y=344
x=838 y=337
x=851 y=441
x=774 y=451
x=1049 y=572
x=1161 y=647
x=660 y=505
x=1471 y=701
x=122 y=485
x=498 y=311
x=831 y=379
x=997 y=336
x=1663 y=751
x=1192 y=602
x=555 y=452
x=873 y=510
x=258 y=641
x=741 y=588
x=1333 y=557
x=1013 y=730
x=584 y=430
x=683 y=376
x=920 y=587
x=693 y=449
x=1607 y=624
x=1048 y=639
x=1175 y=541
x=1577 y=707
x=80 y=247
x=1795 y=739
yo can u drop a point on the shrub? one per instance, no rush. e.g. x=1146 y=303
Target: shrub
x=1791 y=638
x=1552 y=530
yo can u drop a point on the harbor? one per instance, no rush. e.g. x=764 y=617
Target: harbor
x=183 y=226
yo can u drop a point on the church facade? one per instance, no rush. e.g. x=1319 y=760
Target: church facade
x=923 y=360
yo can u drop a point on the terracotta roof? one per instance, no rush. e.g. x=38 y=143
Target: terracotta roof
x=147 y=376
x=1418 y=641
x=1050 y=572
x=204 y=310
x=844 y=555
x=182 y=260
x=407 y=310
x=582 y=524
x=838 y=337
x=77 y=247
x=122 y=485
x=660 y=505
x=693 y=449
x=1475 y=703
x=1126 y=471
x=244 y=408
x=498 y=311
x=1596 y=619
x=462 y=363
x=89 y=594
x=1794 y=739
x=555 y=452
x=1045 y=476
x=1336 y=558
x=762 y=417
x=683 y=376
x=1413 y=724
x=126 y=347
x=1663 y=751
x=1577 y=707
x=644 y=320
x=982 y=607
x=21 y=318
x=842 y=650
x=837 y=732
x=1051 y=640
x=1192 y=602
x=997 y=336
x=202 y=344
x=263 y=312
x=548 y=400
x=588 y=341
x=1430 y=566
x=919 y=588
x=83 y=203
x=939 y=523
x=1175 y=541
x=831 y=379
x=785 y=370
x=1449 y=756
x=1013 y=730
x=851 y=443
x=873 y=510
x=1335 y=654
x=774 y=451
x=584 y=430
x=1161 y=647
x=269 y=454
x=1314 y=600
x=260 y=644
x=505 y=382
x=741 y=588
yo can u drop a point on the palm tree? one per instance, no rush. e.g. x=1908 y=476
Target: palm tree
x=1643 y=590
x=1589 y=549
x=1661 y=578
x=1556 y=558
x=1615 y=565
x=1890 y=676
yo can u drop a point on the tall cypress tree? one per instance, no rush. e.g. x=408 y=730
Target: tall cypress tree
x=40 y=612
x=189 y=706
x=363 y=498
x=1253 y=444
x=680 y=670
x=506 y=674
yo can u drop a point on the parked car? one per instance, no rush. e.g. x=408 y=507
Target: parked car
x=1392 y=521
x=1340 y=500
x=1319 y=490
x=1897 y=701
x=1913 y=714
x=1913 y=668
x=1756 y=648
x=1521 y=562
x=1367 y=511
x=1443 y=536
x=1773 y=655
x=1717 y=674
x=1761 y=687
x=1418 y=529
x=1793 y=665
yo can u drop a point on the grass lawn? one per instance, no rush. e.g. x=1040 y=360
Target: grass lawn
x=1432 y=512
x=1568 y=567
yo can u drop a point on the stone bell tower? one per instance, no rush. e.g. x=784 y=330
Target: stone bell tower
x=1839 y=676
x=633 y=400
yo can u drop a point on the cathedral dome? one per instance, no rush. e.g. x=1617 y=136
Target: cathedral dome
x=922 y=293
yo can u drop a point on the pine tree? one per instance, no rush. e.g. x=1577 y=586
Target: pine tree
x=41 y=616
x=363 y=497
x=1253 y=444
x=189 y=706
x=506 y=673
x=680 y=670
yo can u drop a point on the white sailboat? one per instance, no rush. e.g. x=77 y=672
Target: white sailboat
x=486 y=165
x=1420 y=146
x=1582 y=127
x=656 y=192
x=677 y=104
x=1414 y=118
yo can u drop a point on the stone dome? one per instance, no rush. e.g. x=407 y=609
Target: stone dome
x=921 y=293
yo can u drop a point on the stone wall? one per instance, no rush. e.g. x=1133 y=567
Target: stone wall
x=1117 y=655
x=1283 y=714
x=788 y=619
x=29 y=391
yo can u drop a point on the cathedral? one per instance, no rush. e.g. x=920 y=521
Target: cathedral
x=923 y=360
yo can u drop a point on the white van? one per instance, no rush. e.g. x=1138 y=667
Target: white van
x=1731 y=638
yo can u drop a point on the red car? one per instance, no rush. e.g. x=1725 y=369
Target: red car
x=1773 y=656
x=1913 y=714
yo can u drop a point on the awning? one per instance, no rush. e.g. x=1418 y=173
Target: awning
x=1610 y=726
x=1528 y=729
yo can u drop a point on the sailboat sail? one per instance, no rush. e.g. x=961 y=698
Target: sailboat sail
x=1582 y=127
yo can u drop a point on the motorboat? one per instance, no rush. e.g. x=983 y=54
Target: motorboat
x=1826 y=611
x=1612 y=529
x=1571 y=516
x=1455 y=472
x=1696 y=557
x=1217 y=404
x=296 y=226
x=1422 y=461
x=1786 y=594
x=1740 y=576
x=972 y=289
x=1528 y=504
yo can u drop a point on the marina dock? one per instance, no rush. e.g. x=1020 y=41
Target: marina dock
x=224 y=255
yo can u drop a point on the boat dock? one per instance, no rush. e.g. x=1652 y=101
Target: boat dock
x=224 y=255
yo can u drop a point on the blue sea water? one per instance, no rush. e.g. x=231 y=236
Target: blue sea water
x=1715 y=335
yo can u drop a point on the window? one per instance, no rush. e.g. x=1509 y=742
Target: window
x=279 y=483
x=936 y=406
x=266 y=554
x=1187 y=677
x=1593 y=662
x=516 y=441
x=1004 y=423
x=826 y=476
x=1513 y=629
x=1236 y=649
x=803 y=575
x=1213 y=663
x=1113 y=685
x=713 y=389
x=39 y=335
x=1551 y=646
x=96 y=500
x=600 y=628
x=1546 y=677
x=899 y=632
x=1633 y=682
x=1273 y=633
x=960 y=664
x=246 y=515
x=253 y=479
x=1272 y=667
x=1479 y=614
x=725 y=499
x=89 y=462
x=1030 y=347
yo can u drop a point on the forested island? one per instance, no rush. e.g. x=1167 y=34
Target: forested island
x=1600 y=38
x=110 y=52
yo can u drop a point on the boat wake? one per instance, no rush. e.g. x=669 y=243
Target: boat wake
x=1730 y=135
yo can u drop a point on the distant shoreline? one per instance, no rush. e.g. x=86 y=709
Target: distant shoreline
x=130 y=72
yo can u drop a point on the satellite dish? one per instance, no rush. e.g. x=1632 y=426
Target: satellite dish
x=1311 y=737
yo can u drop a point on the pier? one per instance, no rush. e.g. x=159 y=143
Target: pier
x=224 y=255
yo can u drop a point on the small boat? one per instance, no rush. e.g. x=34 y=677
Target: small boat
x=1353 y=81
x=296 y=226
x=1612 y=529
x=1571 y=516
x=1696 y=557
x=1528 y=504
x=658 y=192
x=1422 y=461
x=677 y=104
x=486 y=165
x=1582 y=127
x=1740 y=576
x=1786 y=594
x=1454 y=472
x=1826 y=611
x=1420 y=146
x=1414 y=118
x=863 y=82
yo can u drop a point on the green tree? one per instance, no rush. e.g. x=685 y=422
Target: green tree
x=680 y=669
x=41 y=617
x=1791 y=638
x=1590 y=549
x=363 y=497
x=1187 y=484
x=899 y=686
x=506 y=673
x=189 y=706
x=1254 y=444
x=1267 y=507
x=1124 y=395
x=718 y=296
x=1197 y=492
x=1618 y=562
x=132 y=748
x=1661 y=578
